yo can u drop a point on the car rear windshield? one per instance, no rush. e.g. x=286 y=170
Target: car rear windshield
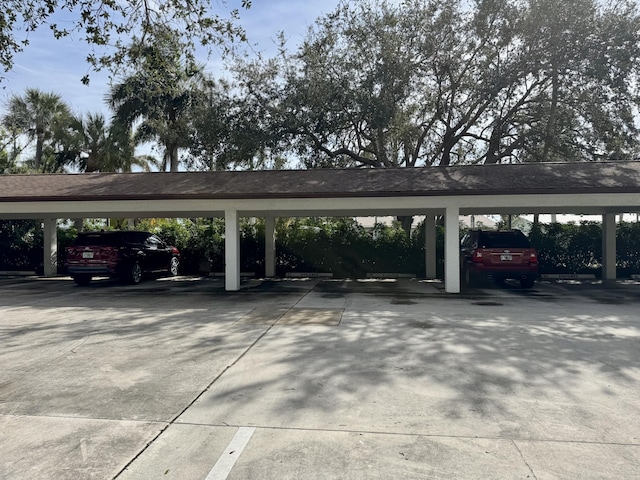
x=503 y=240
x=106 y=238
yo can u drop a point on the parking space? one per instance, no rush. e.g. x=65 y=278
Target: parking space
x=311 y=378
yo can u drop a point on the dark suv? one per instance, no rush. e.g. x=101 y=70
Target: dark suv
x=498 y=255
x=125 y=254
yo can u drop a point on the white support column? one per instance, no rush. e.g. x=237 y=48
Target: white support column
x=452 y=250
x=50 y=260
x=270 y=246
x=430 y=245
x=609 y=247
x=231 y=251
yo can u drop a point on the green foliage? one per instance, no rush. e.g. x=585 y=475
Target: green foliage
x=577 y=248
x=162 y=94
x=20 y=245
x=228 y=132
x=252 y=247
x=109 y=26
x=388 y=84
x=200 y=241
x=344 y=248
x=86 y=143
x=628 y=248
x=41 y=117
x=100 y=146
x=337 y=245
x=5 y=163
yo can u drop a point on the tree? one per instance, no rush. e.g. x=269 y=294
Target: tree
x=377 y=84
x=575 y=95
x=382 y=84
x=12 y=143
x=227 y=132
x=110 y=27
x=37 y=115
x=5 y=164
x=101 y=147
x=159 y=95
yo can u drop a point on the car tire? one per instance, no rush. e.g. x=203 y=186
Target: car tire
x=527 y=282
x=135 y=273
x=174 y=265
x=82 y=280
x=469 y=278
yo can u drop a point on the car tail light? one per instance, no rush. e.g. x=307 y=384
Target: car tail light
x=477 y=256
x=533 y=258
x=175 y=251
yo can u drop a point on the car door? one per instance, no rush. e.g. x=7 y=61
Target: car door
x=467 y=244
x=156 y=253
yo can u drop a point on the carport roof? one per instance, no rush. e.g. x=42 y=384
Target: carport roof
x=511 y=179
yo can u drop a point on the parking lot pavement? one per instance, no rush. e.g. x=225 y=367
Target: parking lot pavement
x=317 y=379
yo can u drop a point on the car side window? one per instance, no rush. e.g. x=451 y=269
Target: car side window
x=469 y=241
x=473 y=240
x=155 y=243
x=152 y=242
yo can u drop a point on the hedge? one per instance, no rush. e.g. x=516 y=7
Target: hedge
x=337 y=245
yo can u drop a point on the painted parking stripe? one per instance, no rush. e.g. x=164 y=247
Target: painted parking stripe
x=227 y=460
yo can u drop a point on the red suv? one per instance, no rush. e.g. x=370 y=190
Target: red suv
x=498 y=255
x=125 y=254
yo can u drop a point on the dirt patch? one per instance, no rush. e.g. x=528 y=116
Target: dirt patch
x=312 y=316
x=402 y=301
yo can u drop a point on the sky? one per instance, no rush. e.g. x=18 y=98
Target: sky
x=57 y=66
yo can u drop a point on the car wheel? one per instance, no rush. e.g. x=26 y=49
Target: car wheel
x=135 y=273
x=527 y=282
x=173 y=266
x=469 y=278
x=82 y=280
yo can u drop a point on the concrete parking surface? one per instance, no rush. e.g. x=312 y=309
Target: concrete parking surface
x=318 y=379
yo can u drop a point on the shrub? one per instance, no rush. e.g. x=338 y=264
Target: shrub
x=337 y=245
x=20 y=245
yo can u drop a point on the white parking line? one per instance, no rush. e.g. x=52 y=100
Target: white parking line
x=227 y=460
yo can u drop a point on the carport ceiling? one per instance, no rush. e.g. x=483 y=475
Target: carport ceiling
x=518 y=188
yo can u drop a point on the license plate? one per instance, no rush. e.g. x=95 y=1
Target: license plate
x=506 y=258
x=87 y=254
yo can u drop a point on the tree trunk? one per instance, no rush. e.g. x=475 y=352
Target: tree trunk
x=173 y=156
x=494 y=145
x=93 y=163
x=78 y=224
x=406 y=221
x=549 y=138
x=447 y=145
x=39 y=148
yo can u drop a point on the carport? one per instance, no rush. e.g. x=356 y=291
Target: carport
x=605 y=189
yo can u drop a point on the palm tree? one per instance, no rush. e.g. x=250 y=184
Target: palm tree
x=100 y=147
x=37 y=114
x=95 y=144
x=158 y=97
x=163 y=114
x=107 y=147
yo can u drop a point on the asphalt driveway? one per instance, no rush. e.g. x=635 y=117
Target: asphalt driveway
x=318 y=379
